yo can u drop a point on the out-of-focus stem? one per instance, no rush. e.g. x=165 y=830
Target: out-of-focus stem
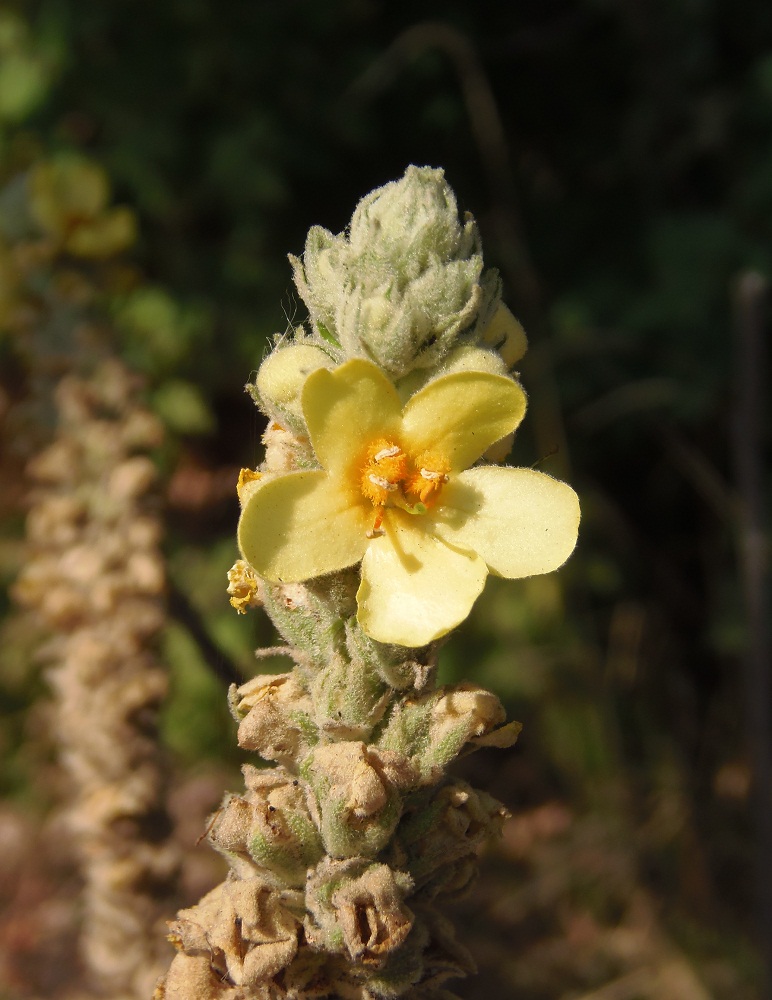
x=750 y=331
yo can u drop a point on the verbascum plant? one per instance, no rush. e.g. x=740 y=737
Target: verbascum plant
x=367 y=535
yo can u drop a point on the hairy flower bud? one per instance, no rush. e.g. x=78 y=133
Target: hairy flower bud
x=505 y=335
x=434 y=728
x=349 y=699
x=468 y=358
x=449 y=829
x=270 y=827
x=391 y=664
x=280 y=381
x=311 y=617
x=283 y=836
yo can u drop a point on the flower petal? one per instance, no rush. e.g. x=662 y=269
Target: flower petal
x=414 y=587
x=461 y=415
x=302 y=525
x=521 y=522
x=347 y=408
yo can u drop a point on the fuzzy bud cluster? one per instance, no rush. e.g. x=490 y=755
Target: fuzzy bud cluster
x=404 y=283
x=404 y=286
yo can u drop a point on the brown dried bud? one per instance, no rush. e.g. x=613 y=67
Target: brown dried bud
x=286 y=451
x=357 y=907
x=246 y=929
x=192 y=977
x=131 y=479
x=445 y=957
x=275 y=713
x=228 y=833
x=358 y=795
x=464 y=709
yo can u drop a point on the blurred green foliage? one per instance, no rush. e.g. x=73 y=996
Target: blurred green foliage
x=637 y=150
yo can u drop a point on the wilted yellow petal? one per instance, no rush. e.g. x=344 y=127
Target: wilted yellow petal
x=414 y=587
x=347 y=408
x=243 y=587
x=521 y=522
x=460 y=415
x=302 y=525
x=248 y=482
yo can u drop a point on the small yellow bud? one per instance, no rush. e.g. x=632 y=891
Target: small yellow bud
x=467 y=358
x=281 y=377
x=506 y=335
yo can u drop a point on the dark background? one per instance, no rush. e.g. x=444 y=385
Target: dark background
x=618 y=159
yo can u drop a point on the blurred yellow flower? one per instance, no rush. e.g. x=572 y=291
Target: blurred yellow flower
x=395 y=491
x=69 y=199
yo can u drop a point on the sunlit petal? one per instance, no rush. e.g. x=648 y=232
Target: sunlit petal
x=302 y=525
x=347 y=407
x=414 y=587
x=521 y=522
x=460 y=415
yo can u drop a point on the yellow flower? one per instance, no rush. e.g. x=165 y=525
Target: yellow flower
x=395 y=491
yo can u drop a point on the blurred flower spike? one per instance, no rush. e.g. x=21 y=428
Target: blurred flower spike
x=396 y=491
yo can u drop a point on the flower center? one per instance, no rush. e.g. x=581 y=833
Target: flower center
x=390 y=477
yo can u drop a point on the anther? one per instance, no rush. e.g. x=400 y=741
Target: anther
x=435 y=477
x=387 y=453
x=382 y=483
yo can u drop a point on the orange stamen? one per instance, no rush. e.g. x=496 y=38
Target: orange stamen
x=426 y=484
x=384 y=468
x=388 y=477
